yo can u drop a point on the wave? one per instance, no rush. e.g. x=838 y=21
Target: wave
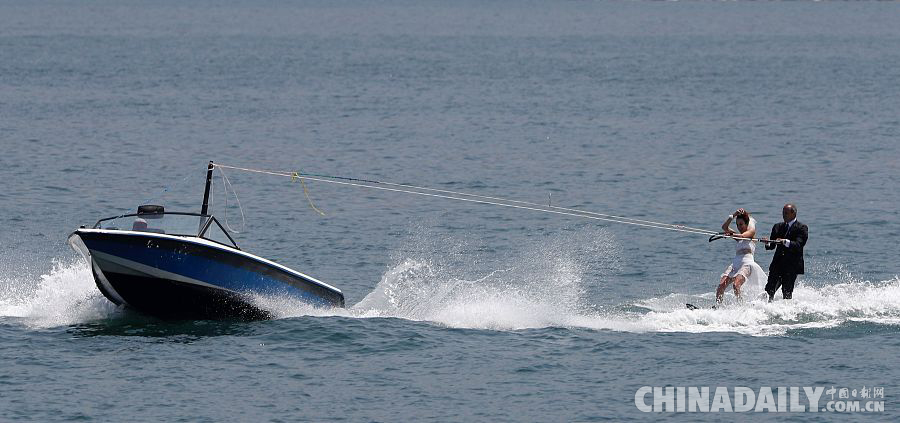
x=530 y=289
x=412 y=291
x=811 y=307
x=545 y=288
x=537 y=288
x=64 y=296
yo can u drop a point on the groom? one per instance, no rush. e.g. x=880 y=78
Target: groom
x=790 y=237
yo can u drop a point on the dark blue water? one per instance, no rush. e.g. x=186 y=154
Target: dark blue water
x=670 y=112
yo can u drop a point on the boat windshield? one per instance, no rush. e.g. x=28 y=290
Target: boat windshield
x=186 y=224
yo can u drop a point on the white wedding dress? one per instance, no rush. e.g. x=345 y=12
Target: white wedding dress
x=755 y=286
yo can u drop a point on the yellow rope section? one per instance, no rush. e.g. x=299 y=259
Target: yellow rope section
x=295 y=176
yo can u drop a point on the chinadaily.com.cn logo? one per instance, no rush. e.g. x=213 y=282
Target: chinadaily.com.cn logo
x=742 y=399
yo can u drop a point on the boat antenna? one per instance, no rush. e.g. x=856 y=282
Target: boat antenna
x=209 y=172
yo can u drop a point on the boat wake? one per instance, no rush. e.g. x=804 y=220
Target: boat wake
x=530 y=290
x=536 y=289
x=412 y=291
x=64 y=296
x=545 y=288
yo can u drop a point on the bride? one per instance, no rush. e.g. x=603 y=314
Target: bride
x=743 y=273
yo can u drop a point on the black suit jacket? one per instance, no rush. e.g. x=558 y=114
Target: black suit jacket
x=788 y=259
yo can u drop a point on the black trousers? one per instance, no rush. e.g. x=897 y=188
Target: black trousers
x=785 y=281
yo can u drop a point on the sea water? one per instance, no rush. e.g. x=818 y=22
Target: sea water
x=671 y=112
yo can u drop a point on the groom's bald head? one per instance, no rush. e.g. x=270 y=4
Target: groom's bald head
x=789 y=212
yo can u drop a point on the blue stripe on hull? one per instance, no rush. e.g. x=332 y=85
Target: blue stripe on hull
x=211 y=266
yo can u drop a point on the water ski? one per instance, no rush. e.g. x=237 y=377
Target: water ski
x=693 y=307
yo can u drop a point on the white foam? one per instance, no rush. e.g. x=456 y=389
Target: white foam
x=64 y=296
x=283 y=307
x=412 y=292
x=544 y=287
x=500 y=300
x=535 y=288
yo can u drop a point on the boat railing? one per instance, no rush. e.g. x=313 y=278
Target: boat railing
x=208 y=226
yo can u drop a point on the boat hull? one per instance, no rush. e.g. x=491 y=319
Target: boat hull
x=189 y=277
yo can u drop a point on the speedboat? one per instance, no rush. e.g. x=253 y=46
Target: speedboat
x=186 y=265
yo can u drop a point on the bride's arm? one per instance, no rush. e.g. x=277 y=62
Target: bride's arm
x=726 y=227
x=749 y=233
